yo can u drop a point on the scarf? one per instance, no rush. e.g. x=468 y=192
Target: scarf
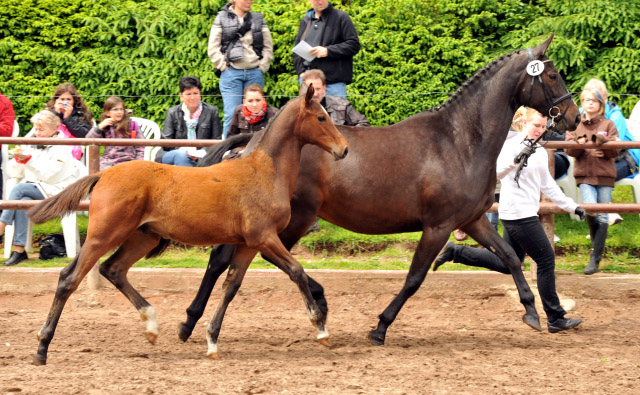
x=254 y=118
x=192 y=122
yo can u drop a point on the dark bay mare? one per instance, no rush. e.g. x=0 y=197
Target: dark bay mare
x=138 y=206
x=433 y=172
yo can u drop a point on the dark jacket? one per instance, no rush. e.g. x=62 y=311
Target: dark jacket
x=174 y=126
x=240 y=125
x=342 y=112
x=341 y=40
x=588 y=168
x=76 y=123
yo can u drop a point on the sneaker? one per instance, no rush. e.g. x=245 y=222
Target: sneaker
x=614 y=219
x=16 y=257
x=446 y=255
x=562 y=324
x=555 y=238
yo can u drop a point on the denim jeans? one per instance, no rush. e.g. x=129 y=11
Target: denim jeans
x=525 y=236
x=337 y=89
x=596 y=194
x=22 y=191
x=493 y=217
x=177 y=157
x=232 y=84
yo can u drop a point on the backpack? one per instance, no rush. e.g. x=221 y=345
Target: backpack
x=52 y=246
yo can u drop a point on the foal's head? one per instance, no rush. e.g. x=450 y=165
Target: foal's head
x=314 y=126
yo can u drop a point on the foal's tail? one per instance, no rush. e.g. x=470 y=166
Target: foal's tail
x=215 y=153
x=67 y=200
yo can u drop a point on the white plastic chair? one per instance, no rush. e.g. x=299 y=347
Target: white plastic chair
x=5 y=160
x=635 y=186
x=150 y=130
x=569 y=186
x=69 y=225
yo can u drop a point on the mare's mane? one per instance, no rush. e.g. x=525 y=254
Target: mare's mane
x=478 y=75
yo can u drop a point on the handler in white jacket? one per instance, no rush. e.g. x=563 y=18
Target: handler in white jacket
x=43 y=171
x=518 y=211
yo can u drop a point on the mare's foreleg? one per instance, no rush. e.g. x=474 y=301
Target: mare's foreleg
x=430 y=244
x=116 y=267
x=484 y=233
x=68 y=282
x=219 y=260
x=237 y=269
x=283 y=259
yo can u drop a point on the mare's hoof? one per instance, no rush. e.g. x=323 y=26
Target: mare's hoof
x=532 y=321
x=39 y=361
x=184 y=332
x=151 y=337
x=325 y=342
x=376 y=338
x=214 y=355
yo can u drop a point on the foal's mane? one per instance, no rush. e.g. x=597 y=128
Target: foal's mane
x=477 y=76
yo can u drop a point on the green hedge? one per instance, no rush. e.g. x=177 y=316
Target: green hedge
x=414 y=52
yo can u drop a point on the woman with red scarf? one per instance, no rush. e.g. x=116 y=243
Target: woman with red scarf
x=254 y=113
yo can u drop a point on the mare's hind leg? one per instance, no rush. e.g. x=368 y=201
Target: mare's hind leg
x=237 y=269
x=430 y=244
x=484 y=233
x=115 y=270
x=70 y=278
x=283 y=259
x=219 y=260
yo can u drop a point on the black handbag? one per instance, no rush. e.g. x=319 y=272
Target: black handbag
x=52 y=246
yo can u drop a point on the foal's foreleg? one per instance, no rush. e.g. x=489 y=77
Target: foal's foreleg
x=219 y=260
x=70 y=278
x=116 y=267
x=237 y=269
x=484 y=233
x=287 y=263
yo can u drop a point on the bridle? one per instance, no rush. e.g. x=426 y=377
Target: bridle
x=553 y=110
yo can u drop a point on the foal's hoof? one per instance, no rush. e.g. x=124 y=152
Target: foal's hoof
x=532 y=321
x=151 y=337
x=325 y=342
x=39 y=361
x=376 y=338
x=214 y=355
x=184 y=332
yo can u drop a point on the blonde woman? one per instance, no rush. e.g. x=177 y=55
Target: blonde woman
x=518 y=211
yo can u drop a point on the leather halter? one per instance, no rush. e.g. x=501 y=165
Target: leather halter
x=552 y=110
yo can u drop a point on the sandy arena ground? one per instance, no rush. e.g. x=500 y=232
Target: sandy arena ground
x=460 y=334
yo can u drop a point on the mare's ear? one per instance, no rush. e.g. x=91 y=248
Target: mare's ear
x=542 y=48
x=309 y=95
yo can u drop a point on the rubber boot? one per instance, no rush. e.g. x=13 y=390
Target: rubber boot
x=593 y=227
x=597 y=241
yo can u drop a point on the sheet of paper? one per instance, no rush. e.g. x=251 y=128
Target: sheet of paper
x=302 y=50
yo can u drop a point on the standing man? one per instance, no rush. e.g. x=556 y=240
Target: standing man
x=334 y=42
x=241 y=48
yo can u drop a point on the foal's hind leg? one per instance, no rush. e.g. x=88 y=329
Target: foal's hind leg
x=115 y=270
x=237 y=269
x=70 y=278
x=286 y=262
x=484 y=233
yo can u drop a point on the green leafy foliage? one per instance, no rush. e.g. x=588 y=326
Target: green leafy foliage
x=414 y=52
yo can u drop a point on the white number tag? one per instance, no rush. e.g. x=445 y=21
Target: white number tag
x=535 y=67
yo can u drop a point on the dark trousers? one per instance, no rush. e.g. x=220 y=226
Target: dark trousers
x=525 y=236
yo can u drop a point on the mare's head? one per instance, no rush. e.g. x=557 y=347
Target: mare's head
x=314 y=126
x=542 y=88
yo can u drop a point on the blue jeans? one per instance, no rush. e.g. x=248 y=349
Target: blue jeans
x=596 y=194
x=22 y=191
x=232 y=84
x=177 y=157
x=493 y=217
x=337 y=89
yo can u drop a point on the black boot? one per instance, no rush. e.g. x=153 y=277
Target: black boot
x=597 y=241
x=446 y=255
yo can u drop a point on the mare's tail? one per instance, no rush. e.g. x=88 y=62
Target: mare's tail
x=67 y=200
x=214 y=154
